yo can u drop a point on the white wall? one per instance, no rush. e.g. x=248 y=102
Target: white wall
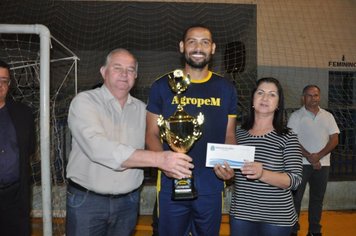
x=297 y=39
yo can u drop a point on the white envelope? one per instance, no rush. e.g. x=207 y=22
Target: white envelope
x=234 y=155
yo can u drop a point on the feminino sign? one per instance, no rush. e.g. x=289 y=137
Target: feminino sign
x=342 y=63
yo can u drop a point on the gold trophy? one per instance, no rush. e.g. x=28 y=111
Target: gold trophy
x=180 y=131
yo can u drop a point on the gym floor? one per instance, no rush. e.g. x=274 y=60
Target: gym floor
x=334 y=223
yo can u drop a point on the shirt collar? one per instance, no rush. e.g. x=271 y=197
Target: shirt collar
x=311 y=113
x=110 y=98
x=203 y=80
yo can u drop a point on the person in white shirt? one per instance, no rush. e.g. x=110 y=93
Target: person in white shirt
x=318 y=135
x=104 y=169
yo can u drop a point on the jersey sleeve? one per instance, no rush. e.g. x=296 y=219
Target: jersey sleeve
x=154 y=104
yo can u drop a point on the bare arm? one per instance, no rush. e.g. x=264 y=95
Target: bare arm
x=226 y=173
x=230 y=137
x=333 y=142
x=314 y=158
x=153 y=141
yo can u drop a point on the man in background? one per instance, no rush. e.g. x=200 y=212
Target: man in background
x=318 y=135
x=17 y=144
x=104 y=170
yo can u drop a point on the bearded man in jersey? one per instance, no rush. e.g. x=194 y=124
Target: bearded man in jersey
x=215 y=97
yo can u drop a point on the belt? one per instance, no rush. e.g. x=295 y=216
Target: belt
x=81 y=188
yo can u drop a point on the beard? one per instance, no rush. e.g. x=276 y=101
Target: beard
x=197 y=65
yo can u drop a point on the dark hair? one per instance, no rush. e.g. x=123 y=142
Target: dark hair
x=4 y=65
x=196 y=26
x=310 y=86
x=278 y=119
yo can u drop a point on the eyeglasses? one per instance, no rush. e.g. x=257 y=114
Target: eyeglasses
x=4 y=81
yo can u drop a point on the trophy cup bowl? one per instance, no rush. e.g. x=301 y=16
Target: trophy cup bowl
x=180 y=131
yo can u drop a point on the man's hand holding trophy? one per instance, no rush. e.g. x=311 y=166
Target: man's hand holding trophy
x=180 y=131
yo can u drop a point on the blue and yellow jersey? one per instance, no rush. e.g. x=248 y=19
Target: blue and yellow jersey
x=216 y=98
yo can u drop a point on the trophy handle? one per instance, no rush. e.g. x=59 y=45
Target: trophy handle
x=162 y=125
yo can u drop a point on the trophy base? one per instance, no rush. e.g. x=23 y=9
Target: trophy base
x=184 y=196
x=183 y=189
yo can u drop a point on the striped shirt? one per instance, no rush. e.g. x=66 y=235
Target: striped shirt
x=254 y=200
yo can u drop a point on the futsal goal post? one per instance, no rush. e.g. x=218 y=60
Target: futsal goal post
x=45 y=36
x=44 y=75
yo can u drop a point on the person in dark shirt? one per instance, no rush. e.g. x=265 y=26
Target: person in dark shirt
x=17 y=144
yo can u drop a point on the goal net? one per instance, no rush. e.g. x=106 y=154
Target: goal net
x=22 y=53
